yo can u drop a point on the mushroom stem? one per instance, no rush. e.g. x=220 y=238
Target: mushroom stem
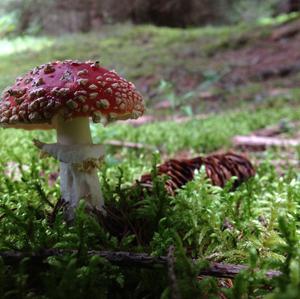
x=74 y=131
x=78 y=173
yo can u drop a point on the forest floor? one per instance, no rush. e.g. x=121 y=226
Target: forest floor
x=184 y=74
x=206 y=90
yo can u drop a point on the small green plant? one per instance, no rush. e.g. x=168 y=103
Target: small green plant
x=167 y=91
x=252 y=11
x=8 y=24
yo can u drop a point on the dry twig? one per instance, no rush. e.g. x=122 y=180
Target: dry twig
x=127 y=259
x=259 y=142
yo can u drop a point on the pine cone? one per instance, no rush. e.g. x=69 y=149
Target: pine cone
x=219 y=169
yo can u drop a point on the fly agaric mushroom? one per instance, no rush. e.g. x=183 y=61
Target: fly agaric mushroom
x=63 y=95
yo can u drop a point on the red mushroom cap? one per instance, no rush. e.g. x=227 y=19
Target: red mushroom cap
x=73 y=88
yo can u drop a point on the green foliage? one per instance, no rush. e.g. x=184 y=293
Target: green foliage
x=251 y=11
x=78 y=277
x=288 y=285
x=280 y=19
x=211 y=223
x=257 y=224
x=167 y=90
x=206 y=221
x=7 y=24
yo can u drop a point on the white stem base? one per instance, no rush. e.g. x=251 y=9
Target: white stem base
x=78 y=158
x=78 y=175
x=76 y=184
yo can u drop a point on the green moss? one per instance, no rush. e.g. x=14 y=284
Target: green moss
x=193 y=219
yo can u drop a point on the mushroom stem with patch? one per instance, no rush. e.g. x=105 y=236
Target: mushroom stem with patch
x=78 y=158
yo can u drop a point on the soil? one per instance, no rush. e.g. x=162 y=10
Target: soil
x=270 y=57
x=264 y=65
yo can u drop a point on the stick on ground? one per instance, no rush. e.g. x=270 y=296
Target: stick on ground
x=128 y=259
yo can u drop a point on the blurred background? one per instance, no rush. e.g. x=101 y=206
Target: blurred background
x=190 y=59
x=58 y=17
